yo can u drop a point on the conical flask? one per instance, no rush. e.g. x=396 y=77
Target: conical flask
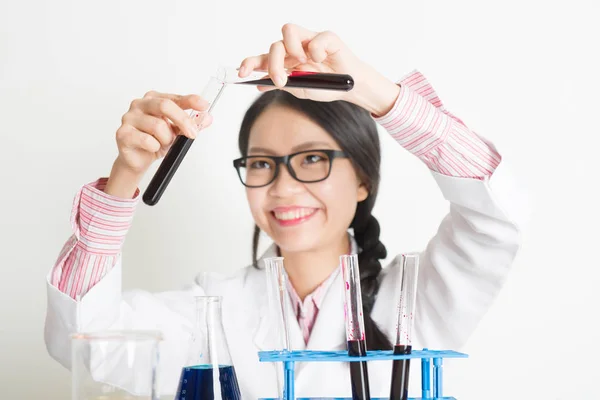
x=209 y=373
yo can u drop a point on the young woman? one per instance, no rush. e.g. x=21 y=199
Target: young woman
x=310 y=161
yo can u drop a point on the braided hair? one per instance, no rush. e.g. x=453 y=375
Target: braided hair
x=355 y=131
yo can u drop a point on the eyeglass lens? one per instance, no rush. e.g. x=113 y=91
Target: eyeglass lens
x=308 y=167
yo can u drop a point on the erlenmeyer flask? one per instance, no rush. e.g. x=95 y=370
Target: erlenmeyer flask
x=209 y=373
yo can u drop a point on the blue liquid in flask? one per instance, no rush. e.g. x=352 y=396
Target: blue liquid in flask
x=197 y=383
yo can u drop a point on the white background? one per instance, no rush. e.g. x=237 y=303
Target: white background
x=522 y=73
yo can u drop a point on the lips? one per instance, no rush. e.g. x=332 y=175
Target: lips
x=288 y=216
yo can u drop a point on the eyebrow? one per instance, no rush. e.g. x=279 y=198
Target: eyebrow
x=300 y=147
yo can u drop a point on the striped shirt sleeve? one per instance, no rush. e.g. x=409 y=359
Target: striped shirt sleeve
x=100 y=223
x=420 y=123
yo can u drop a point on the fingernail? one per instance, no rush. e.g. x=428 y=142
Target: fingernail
x=194 y=129
x=241 y=71
x=280 y=80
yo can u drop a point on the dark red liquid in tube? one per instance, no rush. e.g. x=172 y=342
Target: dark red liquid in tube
x=310 y=80
x=359 y=375
x=400 y=374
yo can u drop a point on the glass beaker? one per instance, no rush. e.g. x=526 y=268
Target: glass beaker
x=209 y=372
x=115 y=365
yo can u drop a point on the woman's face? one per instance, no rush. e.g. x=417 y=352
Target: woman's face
x=300 y=216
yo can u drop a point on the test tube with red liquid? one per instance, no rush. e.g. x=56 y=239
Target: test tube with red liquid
x=295 y=79
x=409 y=268
x=355 y=329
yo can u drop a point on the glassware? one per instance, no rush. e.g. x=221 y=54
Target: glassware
x=277 y=298
x=295 y=79
x=277 y=294
x=170 y=163
x=355 y=327
x=209 y=372
x=409 y=268
x=115 y=365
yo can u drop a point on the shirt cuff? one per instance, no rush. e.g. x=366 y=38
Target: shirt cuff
x=419 y=122
x=101 y=221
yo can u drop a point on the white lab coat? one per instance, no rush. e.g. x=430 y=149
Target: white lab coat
x=462 y=270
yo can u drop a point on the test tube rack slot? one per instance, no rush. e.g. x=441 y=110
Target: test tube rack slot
x=431 y=367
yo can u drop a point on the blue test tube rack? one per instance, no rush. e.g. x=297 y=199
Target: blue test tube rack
x=431 y=367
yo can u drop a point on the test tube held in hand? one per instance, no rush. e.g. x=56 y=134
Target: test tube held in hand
x=409 y=269
x=295 y=79
x=355 y=329
x=169 y=165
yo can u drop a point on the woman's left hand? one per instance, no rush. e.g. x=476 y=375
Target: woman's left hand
x=305 y=50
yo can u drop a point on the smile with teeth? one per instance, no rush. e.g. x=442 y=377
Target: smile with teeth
x=295 y=214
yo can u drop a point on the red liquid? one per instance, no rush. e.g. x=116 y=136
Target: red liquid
x=400 y=373
x=320 y=80
x=358 y=371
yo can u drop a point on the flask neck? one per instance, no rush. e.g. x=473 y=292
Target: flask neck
x=209 y=344
x=208 y=313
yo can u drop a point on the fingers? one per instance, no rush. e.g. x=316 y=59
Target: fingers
x=261 y=63
x=294 y=38
x=299 y=45
x=323 y=45
x=255 y=63
x=190 y=101
x=303 y=34
x=156 y=127
x=194 y=102
x=132 y=138
x=167 y=107
x=202 y=120
x=276 y=61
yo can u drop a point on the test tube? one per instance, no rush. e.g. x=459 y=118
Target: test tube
x=409 y=268
x=295 y=79
x=278 y=312
x=277 y=298
x=355 y=327
x=169 y=165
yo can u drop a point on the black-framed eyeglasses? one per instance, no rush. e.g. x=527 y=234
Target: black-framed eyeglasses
x=306 y=166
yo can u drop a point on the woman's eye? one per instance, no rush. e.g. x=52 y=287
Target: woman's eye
x=260 y=164
x=312 y=158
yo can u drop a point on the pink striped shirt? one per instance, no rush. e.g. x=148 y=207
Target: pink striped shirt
x=307 y=310
x=418 y=121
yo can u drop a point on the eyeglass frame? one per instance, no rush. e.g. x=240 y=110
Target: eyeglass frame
x=332 y=154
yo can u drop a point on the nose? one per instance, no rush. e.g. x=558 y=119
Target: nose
x=285 y=184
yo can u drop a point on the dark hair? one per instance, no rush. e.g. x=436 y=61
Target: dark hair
x=355 y=131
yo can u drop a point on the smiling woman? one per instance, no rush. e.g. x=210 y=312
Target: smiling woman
x=280 y=123
x=310 y=163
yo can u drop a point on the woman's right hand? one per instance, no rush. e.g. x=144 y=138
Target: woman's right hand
x=146 y=133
